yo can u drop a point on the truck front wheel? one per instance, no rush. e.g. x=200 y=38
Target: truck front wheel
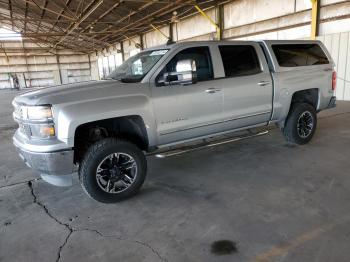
x=112 y=170
x=301 y=123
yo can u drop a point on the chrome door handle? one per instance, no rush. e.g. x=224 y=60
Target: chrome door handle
x=263 y=83
x=212 y=90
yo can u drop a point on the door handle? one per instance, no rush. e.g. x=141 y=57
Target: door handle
x=263 y=83
x=212 y=90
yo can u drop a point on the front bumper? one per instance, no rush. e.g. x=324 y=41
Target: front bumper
x=56 y=163
x=55 y=167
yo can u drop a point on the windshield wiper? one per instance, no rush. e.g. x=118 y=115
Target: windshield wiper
x=118 y=79
x=130 y=80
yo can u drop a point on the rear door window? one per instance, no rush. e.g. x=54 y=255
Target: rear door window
x=293 y=55
x=239 y=60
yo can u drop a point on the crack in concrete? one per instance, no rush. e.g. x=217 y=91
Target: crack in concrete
x=125 y=239
x=152 y=249
x=72 y=229
x=67 y=226
x=30 y=184
x=64 y=244
x=20 y=183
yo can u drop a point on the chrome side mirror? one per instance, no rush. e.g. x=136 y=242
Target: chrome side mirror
x=185 y=73
x=187 y=65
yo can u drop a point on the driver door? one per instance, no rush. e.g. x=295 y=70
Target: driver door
x=192 y=110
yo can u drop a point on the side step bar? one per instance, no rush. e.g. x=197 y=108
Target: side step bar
x=183 y=150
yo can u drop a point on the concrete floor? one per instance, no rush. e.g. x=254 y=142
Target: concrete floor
x=276 y=202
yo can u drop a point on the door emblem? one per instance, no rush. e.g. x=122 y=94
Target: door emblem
x=173 y=121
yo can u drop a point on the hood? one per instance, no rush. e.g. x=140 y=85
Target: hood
x=77 y=92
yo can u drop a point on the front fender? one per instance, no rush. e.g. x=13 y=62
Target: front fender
x=70 y=116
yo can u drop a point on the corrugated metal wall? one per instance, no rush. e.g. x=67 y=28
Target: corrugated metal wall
x=339 y=47
x=40 y=70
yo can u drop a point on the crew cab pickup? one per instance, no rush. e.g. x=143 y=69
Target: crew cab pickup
x=165 y=96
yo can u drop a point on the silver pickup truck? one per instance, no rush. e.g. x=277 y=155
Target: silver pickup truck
x=166 y=96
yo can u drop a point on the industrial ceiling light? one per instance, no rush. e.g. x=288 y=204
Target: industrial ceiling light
x=175 y=18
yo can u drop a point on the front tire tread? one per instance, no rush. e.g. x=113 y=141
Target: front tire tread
x=88 y=165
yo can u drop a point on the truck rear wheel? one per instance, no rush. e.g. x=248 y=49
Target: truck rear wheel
x=301 y=124
x=112 y=170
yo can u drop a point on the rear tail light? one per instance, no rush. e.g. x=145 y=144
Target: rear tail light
x=334 y=80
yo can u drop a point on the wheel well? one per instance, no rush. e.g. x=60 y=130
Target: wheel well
x=309 y=96
x=131 y=128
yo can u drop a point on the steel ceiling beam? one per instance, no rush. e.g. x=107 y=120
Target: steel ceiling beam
x=103 y=15
x=11 y=13
x=61 y=21
x=151 y=16
x=25 y=17
x=62 y=45
x=23 y=24
x=32 y=2
x=66 y=7
x=130 y=15
x=62 y=26
x=80 y=7
x=83 y=17
x=42 y=15
x=89 y=39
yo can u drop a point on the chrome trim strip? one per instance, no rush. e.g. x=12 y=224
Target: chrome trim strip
x=179 y=142
x=38 y=145
x=33 y=122
x=180 y=151
x=218 y=122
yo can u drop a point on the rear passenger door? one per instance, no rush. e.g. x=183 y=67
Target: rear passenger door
x=247 y=85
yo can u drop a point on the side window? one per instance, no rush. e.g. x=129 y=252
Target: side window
x=239 y=60
x=201 y=55
x=292 y=55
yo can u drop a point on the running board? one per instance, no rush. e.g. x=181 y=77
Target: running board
x=183 y=150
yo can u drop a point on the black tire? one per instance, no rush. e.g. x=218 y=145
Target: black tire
x=97 y=154
x=295 y=123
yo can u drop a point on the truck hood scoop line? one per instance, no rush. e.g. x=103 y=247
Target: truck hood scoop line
x=72 y=93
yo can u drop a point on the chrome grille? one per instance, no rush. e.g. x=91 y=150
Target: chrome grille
x=25 y=129
x=18 y=112
x=18 y=117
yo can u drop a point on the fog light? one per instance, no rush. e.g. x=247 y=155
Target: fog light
x=46 y=131
x=42 y=131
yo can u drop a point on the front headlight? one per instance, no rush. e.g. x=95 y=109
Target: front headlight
x=35 y=121
x=39 y=113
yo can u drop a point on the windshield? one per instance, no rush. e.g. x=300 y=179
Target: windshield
x=136 y=67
